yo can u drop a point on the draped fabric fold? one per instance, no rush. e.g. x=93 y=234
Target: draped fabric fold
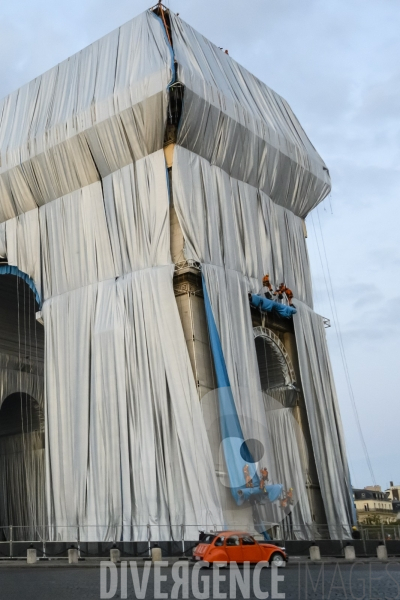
x=324 y=420
x=127 y=454
x=138 y=451
x=287 y=448
x=85 y=217
x=238 y=234
x=231 y=224
x=239 y=124
x=89 y=116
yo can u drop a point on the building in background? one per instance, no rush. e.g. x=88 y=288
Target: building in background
x=162 y=367
x=393 y=492
x=374 y=507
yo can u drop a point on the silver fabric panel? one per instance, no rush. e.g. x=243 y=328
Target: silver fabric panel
x=228 y=291
x=126 y=445
x=90 y=115
x=239 y=234
x=239 y=124
x=84 y=211
x=324 y=420
x=284 y=254
x=23 y=245
x=76 y=247
x=137 y=214
x=2 y=240
x=121 y=384
x=229 y=223
x=85 y=236
x=288 y=446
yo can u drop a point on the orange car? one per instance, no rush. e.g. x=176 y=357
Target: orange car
x=237 y=546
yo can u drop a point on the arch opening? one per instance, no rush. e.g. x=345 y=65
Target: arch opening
x=20 y=414
x=21 y=335
x=288 y=446
x=272 y=366
x=22 y=443
x=277 y=375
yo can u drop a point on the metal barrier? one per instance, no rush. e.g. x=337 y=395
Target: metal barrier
x=177 y=540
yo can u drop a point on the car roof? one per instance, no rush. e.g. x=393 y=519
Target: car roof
x=229 y=532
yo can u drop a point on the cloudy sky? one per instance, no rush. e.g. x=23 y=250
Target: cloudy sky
x=337 y=63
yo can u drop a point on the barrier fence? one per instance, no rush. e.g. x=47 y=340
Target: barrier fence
x=136 y=541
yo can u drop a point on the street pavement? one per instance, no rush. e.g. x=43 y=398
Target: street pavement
x=337 y=581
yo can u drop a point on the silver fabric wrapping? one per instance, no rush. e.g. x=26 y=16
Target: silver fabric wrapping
x=84 y=211
x=228 y=297
x=126 y=441
x=238 y=234
x=230 y=223
x=324 y=420
x=97 y=111
x=228 y=290
x=2 y=240
x=288 y=447
x=126 y=446
x=238 y=123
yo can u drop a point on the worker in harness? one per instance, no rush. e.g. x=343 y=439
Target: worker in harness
x=283 y=290
x=267 y=289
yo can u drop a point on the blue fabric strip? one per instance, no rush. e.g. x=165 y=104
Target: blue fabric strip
x=9 y=270
x=236 y=452
x=270 y=306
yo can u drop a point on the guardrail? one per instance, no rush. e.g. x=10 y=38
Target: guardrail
x=176 y=540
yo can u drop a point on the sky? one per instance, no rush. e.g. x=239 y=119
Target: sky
x=337 y=63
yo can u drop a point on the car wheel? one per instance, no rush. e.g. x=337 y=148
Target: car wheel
x=276 y=560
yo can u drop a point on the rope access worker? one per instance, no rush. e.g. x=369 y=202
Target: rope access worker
x=267 y=287
x=282 y=289
x=289 y=295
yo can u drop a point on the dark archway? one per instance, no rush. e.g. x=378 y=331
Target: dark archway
x=270 y=363
x=20 y=414
x=277 y=375
x=21 y=335
x=22 y=460
x=21 y=464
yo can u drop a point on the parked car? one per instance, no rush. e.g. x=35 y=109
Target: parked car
x=239 y=547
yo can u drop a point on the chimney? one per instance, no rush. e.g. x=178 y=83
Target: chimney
x=391 y=484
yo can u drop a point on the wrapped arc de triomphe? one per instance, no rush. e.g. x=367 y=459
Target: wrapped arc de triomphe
x=147 y=185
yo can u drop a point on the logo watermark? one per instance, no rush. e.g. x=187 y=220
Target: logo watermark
x=182 y=580
x=159 y=580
